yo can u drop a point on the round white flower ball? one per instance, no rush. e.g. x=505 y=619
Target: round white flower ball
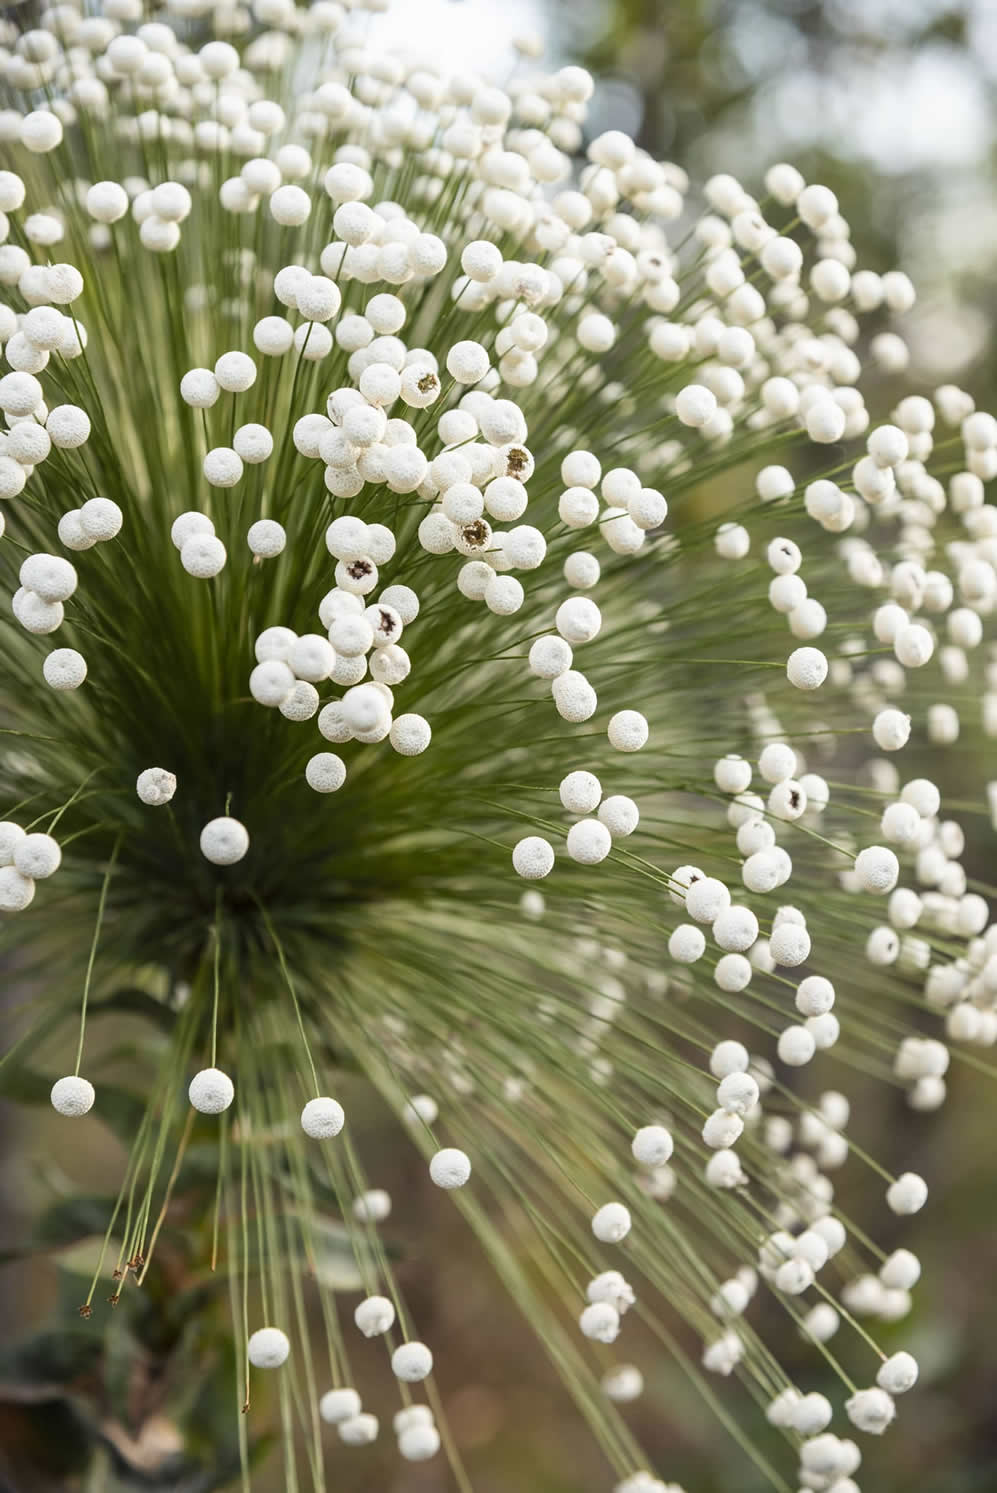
x=266 y=538
x=898 y=1373
x=199 y=388
x=252 y=443
x=222 y=467
x=619 y=814
x=203 y=556
x=706 y=899
x=422 y=1109
x=450 y=1168
x=374 y=1316
x=16 y=891
x=235 y=372
x=574 y=698
x=729 y=1057
x=412 y=1362
x=41 y=131
x=870 y=1410
x=155 y=786
x=550 y=657
x=733 y=972
x=796 y=1046
x=37 y=856
x=410 y=734
x=373 y=1206
x=10 y=834
x=913 y=645
x=732 y=774
x=107 y=201
x=877 y=869
x=806 y=668
x=72 y=1096
x=735 y=929
x=337 y=1405
x=611 y=1223
x=158 y=235
x=825 y=421
x=49 y=576
x=809 y=1415
x=695 y=405
x=64 y=669
x=224 y=841
x=12 y=478
x=211 y=1091
x=290 y=206
x=686 y=943
x=411 y=1415
x=908 y=1194
x=652 y=1145
x=578 y=619
x=322 y=1118
x=268 y=1348
x=467 y=362
x=311 y=657
x=68 y=426
x=589 y=842
x=359 y=1430
x=891 y=730
x=36 y=616
x=271 y=682
x=100 y=519
x=418 y=1443
x=533 y=857
x=623 y=1383
x=273 y=336
x=737 y=1093
x=29 y=443
x=814 y=996
x=325 y=772
x=187 y=524
x=789 y=945
x=20 y=393
x=600 y=1321
x=628 y=731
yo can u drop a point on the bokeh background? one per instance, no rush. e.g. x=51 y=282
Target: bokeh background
x=891 y=103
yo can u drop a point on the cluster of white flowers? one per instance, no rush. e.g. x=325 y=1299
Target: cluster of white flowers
x=25 y=857
x=490 y=358
x=414 y=1425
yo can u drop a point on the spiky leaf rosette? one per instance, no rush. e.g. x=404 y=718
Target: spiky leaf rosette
x=357 y=434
